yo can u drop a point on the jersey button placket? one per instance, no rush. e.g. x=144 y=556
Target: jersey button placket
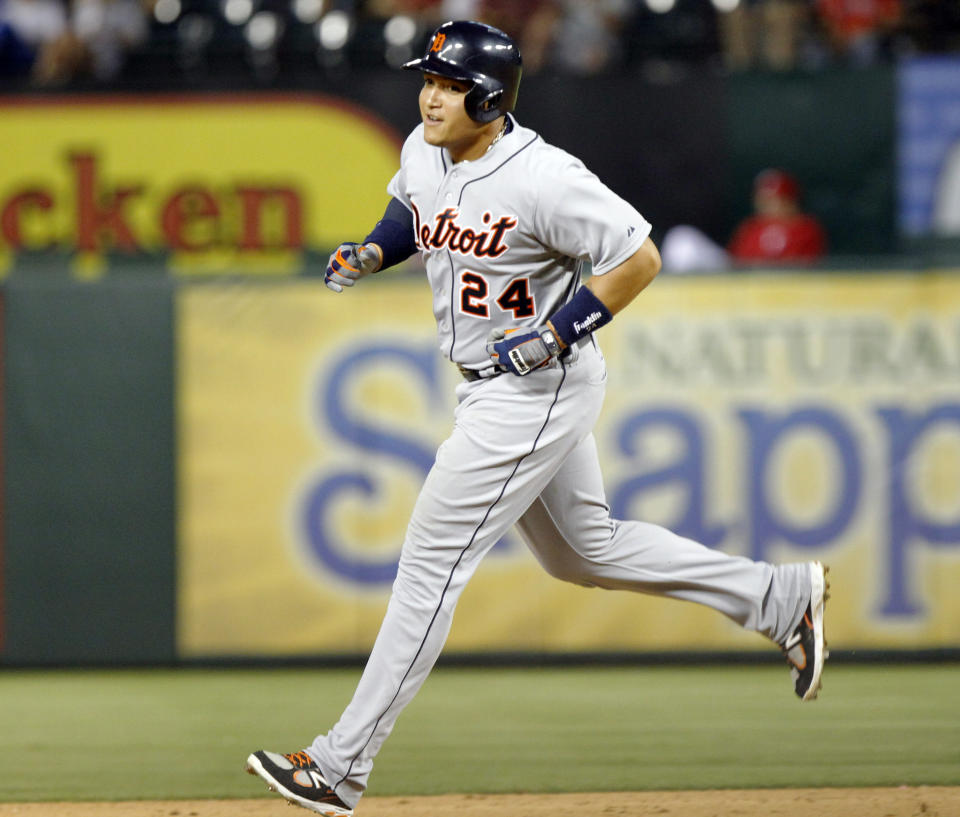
x=443 y=192
x=450 y=184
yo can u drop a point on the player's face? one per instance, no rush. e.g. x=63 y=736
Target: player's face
x=445 y=121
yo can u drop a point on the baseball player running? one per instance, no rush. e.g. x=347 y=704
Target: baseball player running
x=504 y=223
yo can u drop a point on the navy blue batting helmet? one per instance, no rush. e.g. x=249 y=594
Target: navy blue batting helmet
x=481 y=55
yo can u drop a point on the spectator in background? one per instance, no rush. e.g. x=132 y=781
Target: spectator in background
x=764 y=33
x=425 y=12
x=686 y=248
x=778 y=231
x=108 y=30
x=98 y=36
x=859 y=32
x=16 y=57
x=529 y=22
x=27 y=29
x=589 y=37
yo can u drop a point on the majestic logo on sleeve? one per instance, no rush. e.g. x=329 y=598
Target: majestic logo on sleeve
x=447 y=232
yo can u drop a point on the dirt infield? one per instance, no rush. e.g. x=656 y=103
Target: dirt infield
x=905 y=801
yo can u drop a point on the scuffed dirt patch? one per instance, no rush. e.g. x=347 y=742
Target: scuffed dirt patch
x=904 y=801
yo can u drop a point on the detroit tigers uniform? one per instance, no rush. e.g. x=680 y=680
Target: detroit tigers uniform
x=504 y=240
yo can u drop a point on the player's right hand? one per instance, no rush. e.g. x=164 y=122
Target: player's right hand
x=520 y=351
x=350 y=262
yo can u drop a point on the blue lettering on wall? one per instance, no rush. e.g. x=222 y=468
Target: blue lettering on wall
x=901 y=523
x=905 y=432
x=687 y=470
x=348 y=422
x=766 y=431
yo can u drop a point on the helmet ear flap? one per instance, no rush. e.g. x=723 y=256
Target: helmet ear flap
x=483 y=104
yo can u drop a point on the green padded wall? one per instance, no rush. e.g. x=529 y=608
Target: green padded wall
x=88 y=448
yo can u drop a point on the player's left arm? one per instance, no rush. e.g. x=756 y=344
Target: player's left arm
x=616 y=288
x=593 y=306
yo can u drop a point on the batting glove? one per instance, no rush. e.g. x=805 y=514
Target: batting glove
x=349 y=263
x=521 y=351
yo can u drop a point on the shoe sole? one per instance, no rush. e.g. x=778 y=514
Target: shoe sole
x=818 y=597
x=254 y=766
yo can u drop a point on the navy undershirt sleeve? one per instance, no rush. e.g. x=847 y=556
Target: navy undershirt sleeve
x=394 y=234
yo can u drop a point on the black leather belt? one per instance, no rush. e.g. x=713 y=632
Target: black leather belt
x=492 y=371
x=479 y=374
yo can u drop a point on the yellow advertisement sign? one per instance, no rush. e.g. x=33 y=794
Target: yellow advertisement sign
x=222 y=183
x=784 y=418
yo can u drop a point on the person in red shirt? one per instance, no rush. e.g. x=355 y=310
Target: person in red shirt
x=858 y=29
x=778 y=231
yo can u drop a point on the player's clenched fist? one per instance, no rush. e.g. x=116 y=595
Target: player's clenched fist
x=350 y=262
x=520 y=351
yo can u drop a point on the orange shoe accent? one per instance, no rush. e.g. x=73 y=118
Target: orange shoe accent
x=300 y=759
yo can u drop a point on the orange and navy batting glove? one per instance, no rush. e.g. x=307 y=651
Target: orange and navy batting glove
x=521 y=351
x=350 y=262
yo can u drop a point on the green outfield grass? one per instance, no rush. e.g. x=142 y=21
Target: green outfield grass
x=96 y=735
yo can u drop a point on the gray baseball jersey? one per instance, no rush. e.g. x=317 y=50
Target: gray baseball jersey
x=504 y=239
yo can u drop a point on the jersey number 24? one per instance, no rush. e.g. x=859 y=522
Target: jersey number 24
x=516 y=298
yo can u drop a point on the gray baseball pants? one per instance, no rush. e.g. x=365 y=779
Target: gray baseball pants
x=522 y=453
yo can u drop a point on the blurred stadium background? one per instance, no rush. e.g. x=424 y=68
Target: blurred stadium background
x=199 y=441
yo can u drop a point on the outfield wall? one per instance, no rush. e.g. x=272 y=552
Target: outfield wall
x=186 y=464
x=200 y=441
x=89 y=471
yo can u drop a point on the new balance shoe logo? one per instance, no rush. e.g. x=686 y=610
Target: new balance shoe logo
x=308 y=778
